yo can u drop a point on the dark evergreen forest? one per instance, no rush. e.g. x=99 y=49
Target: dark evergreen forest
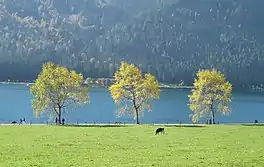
x=171 y=39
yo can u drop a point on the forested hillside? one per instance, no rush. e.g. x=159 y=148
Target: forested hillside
x=169 y=38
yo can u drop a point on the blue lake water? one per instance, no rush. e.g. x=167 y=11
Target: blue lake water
x=170 y=108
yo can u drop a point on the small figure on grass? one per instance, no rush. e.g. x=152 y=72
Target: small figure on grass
x=20 y=122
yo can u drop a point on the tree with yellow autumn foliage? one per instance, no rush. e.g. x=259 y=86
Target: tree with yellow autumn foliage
x=212 y=93
x=132 y=91
x=57 y=89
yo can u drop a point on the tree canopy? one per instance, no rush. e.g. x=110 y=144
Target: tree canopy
x=56 y=90
x=133 y=91
x=211 y=93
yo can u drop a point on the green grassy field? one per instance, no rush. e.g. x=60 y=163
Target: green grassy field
x=48 y=146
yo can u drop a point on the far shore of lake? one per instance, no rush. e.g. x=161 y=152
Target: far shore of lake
x=162 y=85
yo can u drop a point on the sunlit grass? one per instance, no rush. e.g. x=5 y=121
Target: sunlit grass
x=48 y=146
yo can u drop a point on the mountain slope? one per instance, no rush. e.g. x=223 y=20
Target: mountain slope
x=169 y=38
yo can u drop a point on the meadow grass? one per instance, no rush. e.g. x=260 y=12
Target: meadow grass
x=133 y=146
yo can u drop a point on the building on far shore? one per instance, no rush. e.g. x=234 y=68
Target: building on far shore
x=105 y=81
x=99 y=81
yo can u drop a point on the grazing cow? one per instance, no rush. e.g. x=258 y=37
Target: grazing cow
x=160 y=130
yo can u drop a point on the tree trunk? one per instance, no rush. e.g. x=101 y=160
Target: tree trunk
x=136 y=107
x=137 y=116
x=213 y=117
x=213 y=114
x=59 y=115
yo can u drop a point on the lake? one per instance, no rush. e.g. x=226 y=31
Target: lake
x=170 y=108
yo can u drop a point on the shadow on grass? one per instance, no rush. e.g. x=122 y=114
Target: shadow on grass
x=133 y=125
x=97 y=126
x=185 y=126
x=252 y=124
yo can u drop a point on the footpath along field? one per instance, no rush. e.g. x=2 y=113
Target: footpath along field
x=133 y=146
